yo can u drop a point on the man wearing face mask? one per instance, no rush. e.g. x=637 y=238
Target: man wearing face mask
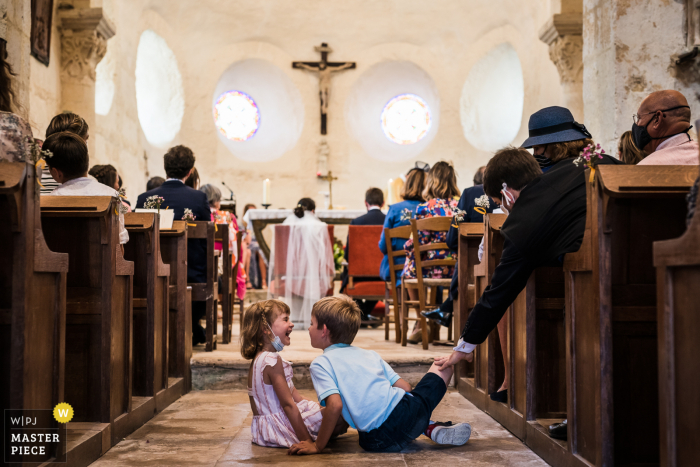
x=547 y=217
x=661 y=128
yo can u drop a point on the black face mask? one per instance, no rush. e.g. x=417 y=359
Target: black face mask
x=543 y=161
x=641 y=136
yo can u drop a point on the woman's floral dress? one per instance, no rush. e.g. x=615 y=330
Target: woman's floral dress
x=225 y=217
x=434 y=208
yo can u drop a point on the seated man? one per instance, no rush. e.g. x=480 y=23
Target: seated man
x=179 y=164
x=69 y=166
x=661 y=129
x=370 y=396
x=467 y=203
x=374 y=202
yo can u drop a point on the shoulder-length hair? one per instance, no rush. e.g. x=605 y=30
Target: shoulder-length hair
x=414 y=186
x=441 y=182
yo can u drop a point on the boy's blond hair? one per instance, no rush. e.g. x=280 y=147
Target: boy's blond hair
x=341 y=315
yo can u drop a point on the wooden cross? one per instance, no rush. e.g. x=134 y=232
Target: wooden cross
x=329 y=178
x=324 y=68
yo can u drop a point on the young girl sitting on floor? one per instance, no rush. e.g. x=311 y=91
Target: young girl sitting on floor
x=282 y=417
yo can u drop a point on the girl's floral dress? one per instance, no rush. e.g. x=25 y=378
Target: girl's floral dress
x=225 y=217
x=433 y=208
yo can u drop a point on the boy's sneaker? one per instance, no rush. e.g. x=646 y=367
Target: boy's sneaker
x=448 y=433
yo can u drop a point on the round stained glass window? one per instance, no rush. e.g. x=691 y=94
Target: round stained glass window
x=406 y=119
x=236 y=115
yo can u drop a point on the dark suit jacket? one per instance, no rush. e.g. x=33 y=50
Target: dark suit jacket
x=373 y=217
x=466 y=203
x=179 y=196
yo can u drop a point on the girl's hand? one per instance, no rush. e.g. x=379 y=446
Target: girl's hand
x=303 y=448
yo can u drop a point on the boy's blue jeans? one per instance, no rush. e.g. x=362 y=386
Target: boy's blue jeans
x=408 y=420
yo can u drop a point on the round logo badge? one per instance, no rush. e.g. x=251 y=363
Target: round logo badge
x=63 y=412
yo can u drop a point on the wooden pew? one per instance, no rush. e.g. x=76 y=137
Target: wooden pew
x=98 y=312
x=173 y=251
x=470 y=235
x=207 y=291
x=228 y=279
x=151 y=310
x=611 y=315
x=677 y=264
x=32 y=303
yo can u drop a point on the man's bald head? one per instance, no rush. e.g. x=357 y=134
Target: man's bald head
x=667 y=99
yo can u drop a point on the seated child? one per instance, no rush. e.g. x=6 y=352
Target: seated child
x=370 y=396
x=68 y=165
x=281 y=416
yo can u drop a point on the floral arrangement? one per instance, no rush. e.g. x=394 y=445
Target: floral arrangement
x=406 y=215
x=589 y=158
x=188 y=215
x=482 y=204
x=338 y=255
x=457 y=216
x=36 y=154
x=154 y=202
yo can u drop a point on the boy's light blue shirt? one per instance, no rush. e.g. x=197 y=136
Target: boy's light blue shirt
x=362 y=379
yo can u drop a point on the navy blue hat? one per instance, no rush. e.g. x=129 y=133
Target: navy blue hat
x=554 y=125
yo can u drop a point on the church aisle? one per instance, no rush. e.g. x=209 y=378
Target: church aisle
x=212 y=428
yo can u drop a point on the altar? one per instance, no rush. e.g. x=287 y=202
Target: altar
x=260 y=218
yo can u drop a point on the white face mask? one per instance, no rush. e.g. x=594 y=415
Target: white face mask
x=276 y=342
x=507 y=198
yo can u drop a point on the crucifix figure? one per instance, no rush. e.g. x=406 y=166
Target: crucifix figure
x=328 y=178
x=324 y=68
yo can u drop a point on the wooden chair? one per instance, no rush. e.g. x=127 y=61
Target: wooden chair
x=611 y=313
x=427 y=288
x=207 y=291
x=151 y=310
x=173 y=250
x=227 y=289
x=364 y=262
x=98 y=356
x=392 y=289
x=677 y=264
x=32 y=306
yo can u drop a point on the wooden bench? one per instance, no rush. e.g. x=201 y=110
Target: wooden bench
x=32 y=303
x=611 y=314
x=207 y=291
x=677 y=264
x=173 y=251
x=151 y=311
x=99 y=324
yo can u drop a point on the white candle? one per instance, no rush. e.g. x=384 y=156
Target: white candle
x=266 y=192
x=390 y=192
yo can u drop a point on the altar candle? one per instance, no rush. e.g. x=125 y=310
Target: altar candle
x=266 y=192
x=390 y=192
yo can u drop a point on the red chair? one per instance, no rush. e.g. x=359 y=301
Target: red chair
x=280 y=265
x=364 y=261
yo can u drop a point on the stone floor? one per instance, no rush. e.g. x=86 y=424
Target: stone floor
x=212 y=428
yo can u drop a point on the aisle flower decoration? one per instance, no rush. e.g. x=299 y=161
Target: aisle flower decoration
x=589 y=158
x=154 y=202
x=121 y=208
x=188 y=216
x=457 y=217
x=338 y=255
x=482 y=204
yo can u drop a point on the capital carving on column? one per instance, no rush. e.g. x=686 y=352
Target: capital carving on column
x=563 y=35
x=84 y=35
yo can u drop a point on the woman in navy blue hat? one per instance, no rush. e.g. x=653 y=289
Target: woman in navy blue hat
x=557 y=199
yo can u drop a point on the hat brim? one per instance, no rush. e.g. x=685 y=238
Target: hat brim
x=558 y=137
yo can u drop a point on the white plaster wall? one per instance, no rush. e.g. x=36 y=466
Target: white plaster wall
x=627 y=54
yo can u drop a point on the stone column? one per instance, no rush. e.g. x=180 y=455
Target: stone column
x=84 y=35
x=562 y=33
x=15 y=25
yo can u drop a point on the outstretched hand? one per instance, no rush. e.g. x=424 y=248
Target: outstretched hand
x=446 y=362
x=302 y=448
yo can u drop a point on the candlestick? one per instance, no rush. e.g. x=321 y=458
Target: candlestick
x=266 y=192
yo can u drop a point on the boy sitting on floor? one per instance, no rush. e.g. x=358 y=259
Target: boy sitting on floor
x=371 y=397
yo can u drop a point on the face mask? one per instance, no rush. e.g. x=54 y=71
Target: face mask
x=507 y=197
x=276 y=343
x=641 y=136
x=543 y=161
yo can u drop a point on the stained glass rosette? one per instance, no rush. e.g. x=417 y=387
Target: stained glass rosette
x=406 y=119
x=236 y=115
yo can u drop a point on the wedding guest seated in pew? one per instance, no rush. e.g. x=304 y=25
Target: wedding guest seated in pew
x=374 y=202
x=627 y=152
x=107 y=175
x=179 y=165
x=661 y=128
x=474 y=203
x=66 y=121
x=547 y=217
x=193 y=180
x=68 y=165
x=441 y=193
x=412 y=194
x=154 y=183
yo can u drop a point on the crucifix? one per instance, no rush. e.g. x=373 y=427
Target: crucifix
x=324 y=68
x=328 y=178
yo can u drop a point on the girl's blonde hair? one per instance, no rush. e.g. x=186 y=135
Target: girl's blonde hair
x=253 y=327
x=441 y=182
